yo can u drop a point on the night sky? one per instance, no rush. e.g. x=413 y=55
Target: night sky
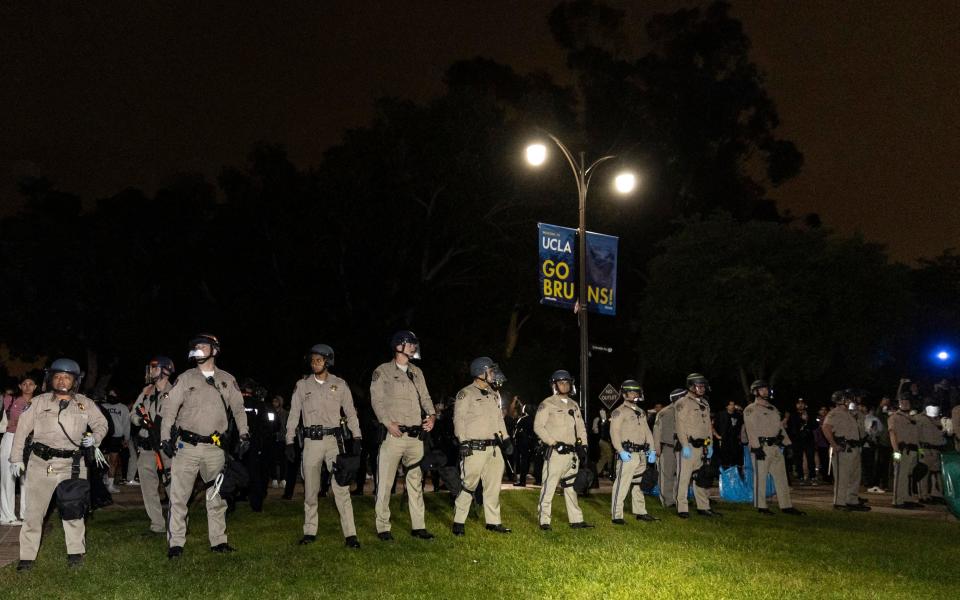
x=99 y=96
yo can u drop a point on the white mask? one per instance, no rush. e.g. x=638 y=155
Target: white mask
x=932 y=411
x=852 y=406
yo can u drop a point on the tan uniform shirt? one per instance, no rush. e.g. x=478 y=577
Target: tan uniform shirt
x=477 y=415
x=320 y=404
x=665 y=426
x=843 y=423
x=628 y=423
x=904 y=426
x=554 y=422
x=396 y=398
x=930 y=432
x=195 y=405
x=152 y=403
x=763 y=420
x=693 y=419
x=43 y=418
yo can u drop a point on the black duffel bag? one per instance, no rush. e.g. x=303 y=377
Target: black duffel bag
x=649 y=479
x=73 y=498
x=345 y=468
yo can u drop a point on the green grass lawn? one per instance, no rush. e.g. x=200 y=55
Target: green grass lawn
x=822 y=555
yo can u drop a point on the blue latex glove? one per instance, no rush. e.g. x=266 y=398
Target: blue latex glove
x=686 y=452
x=87 y=441
x=651 y=456
x=710 y=451
x=625 y=456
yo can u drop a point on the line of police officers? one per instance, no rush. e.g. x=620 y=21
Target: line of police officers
x=185 y=428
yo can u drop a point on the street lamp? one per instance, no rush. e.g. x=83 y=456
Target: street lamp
x=623 y=183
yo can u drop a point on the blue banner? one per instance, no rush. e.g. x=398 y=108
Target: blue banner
x=558 y=282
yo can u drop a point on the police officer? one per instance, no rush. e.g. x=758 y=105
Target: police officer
x=633 y=442
x=399 y=397
x=559 y=425
x=932 y=443
x=478 y=425
x=666 y=444
x=842 y=432
x=767 y=438
x=62 y=422
x=324 y=400
x=696 y=448
x=193 y=419
x=905 y=441
x=151 y=462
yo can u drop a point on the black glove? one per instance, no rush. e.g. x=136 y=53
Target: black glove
x=507 y=445
x=788 y=452
x=356 y=446
x=166 y=446
x=759 y=453
x=244 y=444
x=291 y=453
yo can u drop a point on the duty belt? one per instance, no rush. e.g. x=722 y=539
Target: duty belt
x=772 y=441
x=411 y=430
x=563 y=448
x=143 y=443
x=926 y=446
x=631 y=447
x=848 y=444
x=317 y=432
x=478 y=444
x=699 y=442
x=46 y=452
x=908 y=447
x=195 y=438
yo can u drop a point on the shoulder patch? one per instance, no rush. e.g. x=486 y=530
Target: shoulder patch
x=541 y=407
x=376 y=376
x=461 y=394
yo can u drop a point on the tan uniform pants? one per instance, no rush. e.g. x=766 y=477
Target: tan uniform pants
x=931 y=486
x=150 y=488
x=845 y=466
x=482 y=466
x=667 y=480
x=557 y=467
x=902 y=470
x=623 y=485
x=207 y=460
x=393 y=450
x=316 y=453
x=41 y=481
x=687 y=467
x=775 y=465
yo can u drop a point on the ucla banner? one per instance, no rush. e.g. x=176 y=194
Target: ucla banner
x=558 y=282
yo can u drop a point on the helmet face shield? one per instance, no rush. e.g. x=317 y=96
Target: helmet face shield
x=63 y=376
x=407 y=343
x=495 y=376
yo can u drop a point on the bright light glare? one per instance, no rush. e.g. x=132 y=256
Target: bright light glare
x=625 y=182
x=943 y=355
x=536 y=154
